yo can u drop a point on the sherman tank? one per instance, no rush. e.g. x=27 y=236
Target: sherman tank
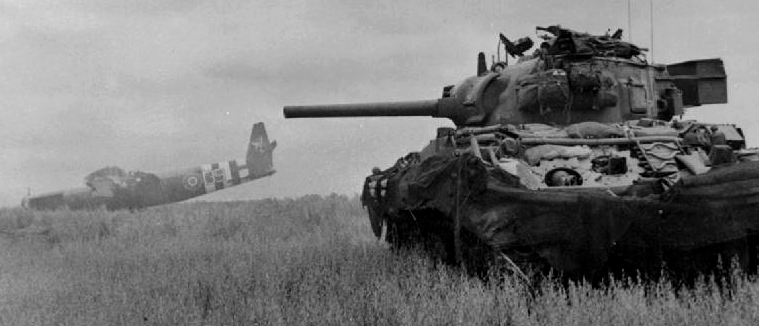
x=572 y=158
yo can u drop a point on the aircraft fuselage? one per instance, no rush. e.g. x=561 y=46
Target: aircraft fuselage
x=150 y=189
x=113 y=188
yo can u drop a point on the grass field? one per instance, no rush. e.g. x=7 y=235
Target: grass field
x=305 y=261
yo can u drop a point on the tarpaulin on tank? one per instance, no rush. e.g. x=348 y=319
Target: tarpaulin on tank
x=569 y=231
x=581 y=231
x=433 y=183
x=439 y=179
x=576 y=230
x=412 y=185
x=567 y=41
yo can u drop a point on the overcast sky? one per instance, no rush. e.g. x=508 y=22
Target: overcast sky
x=161 y=84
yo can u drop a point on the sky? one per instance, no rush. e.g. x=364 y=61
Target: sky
x=155 y=85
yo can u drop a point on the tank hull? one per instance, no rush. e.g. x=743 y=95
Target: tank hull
x=579 y=232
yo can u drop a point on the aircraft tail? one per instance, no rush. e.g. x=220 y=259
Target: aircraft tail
x=259 y=159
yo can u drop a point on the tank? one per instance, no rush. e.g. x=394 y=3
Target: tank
x=572 y=158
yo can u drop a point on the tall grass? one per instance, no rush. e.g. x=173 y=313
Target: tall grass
x=305 y=261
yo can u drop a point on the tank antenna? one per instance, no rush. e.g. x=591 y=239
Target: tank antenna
x=651 y=22
x=629 y=24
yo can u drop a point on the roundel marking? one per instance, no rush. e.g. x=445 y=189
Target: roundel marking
x=191 y=182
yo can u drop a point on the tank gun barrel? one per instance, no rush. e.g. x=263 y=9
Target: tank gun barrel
x=446 y=107
x=387 y=109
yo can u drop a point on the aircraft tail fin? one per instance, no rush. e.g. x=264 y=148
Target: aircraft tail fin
x=259 y=159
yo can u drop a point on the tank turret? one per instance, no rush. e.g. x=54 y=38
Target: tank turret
x=573 y=77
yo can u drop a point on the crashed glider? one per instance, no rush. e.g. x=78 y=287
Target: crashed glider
x=113 y=188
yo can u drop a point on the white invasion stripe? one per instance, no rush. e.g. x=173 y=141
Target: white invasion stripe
x=210 y=187
x=242 y=169
x=224 y=166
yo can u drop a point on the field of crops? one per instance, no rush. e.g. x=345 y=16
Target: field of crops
x=311 y=260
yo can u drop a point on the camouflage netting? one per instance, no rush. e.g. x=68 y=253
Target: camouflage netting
x=567 y=41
